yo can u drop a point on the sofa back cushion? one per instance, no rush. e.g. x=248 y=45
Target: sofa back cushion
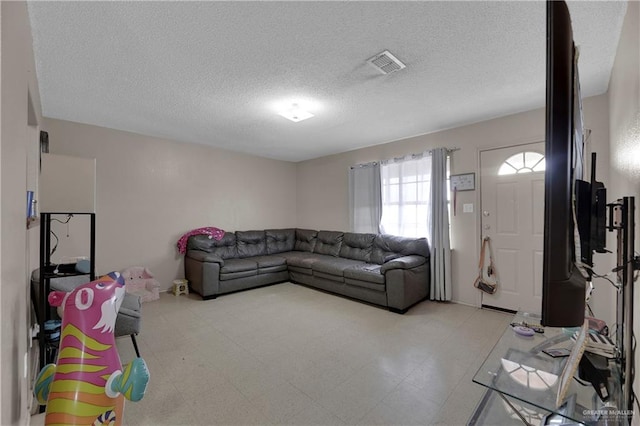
x=280 y=240
x=329 y=243
x=224 y=248
x=357 y=246
x=305 y=240
x=251 y=243
x=389 y=247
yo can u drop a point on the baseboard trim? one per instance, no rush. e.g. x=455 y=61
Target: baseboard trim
x=496 y=308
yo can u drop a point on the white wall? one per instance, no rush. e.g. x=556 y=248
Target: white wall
x=17 y=72
x=150 y=191
x=323 y=188
x=624 y=117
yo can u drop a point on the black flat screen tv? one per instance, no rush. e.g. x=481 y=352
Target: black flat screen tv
x=564 y=285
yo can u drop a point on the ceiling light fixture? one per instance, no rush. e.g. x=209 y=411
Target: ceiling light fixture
x=295 y=113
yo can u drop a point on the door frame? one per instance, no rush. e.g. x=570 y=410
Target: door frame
x=479 y=152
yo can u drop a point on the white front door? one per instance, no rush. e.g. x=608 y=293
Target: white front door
x=512 y=211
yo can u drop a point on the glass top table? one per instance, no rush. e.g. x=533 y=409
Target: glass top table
x=518 y=368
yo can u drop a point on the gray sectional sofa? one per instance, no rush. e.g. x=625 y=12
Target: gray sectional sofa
x=384 y=270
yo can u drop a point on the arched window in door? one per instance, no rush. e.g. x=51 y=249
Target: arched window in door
x=523 y=162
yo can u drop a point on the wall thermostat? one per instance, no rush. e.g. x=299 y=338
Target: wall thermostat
x=463 y=182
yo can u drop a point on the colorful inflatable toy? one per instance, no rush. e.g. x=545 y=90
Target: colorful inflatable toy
x=88 y=385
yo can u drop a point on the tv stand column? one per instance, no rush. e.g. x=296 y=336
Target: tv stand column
x=622 y=220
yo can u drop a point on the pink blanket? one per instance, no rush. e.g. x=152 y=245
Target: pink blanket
x=212 y=232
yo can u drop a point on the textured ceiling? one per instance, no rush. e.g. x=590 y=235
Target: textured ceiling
x=214 y=72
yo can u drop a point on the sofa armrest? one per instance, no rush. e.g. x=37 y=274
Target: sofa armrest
x=406 y=287
x=203 y=256
x=405 y=262
x=203 y=276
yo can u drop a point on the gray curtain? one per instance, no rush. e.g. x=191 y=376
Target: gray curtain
x=365 y=201
x=439 y=226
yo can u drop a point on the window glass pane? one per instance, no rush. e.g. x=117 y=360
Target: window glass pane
x=409 y=171
x=422 y=211
x=523 y=162
x=506 y=169
x=409 y=192
x=540 y=167
x=409 y=214
x=517 y=161
x=394 y=194
x=421 y=231
x=390 y=219
x=531 y=159
x=406 y=191
x=423 y=174
x=423 y=191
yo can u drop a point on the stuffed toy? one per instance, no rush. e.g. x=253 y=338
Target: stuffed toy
x=88 y=385
x=139 y=281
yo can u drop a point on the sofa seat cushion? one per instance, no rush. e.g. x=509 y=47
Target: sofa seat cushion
x=238 y=265
x=269 y=261
x=365 y=272
x=306 y=260
x=272 y=269
x=306 y=271
x=270 y=264
x=290 y=254
x=365 y=284
x=334 y=265
x=236 y=275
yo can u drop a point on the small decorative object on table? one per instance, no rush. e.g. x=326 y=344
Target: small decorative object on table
x=139 y=281
x=535 y=327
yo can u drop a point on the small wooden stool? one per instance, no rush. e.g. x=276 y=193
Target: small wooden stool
x=180 y=287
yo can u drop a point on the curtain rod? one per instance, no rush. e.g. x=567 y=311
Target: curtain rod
x=449 y=151
x=359 y=166
x=420 y=154
x=373 y=163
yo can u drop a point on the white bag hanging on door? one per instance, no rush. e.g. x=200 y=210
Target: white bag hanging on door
x=487 y=282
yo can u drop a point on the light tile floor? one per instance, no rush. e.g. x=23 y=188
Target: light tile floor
x=287 y=354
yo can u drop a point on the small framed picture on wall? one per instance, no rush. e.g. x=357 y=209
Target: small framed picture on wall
x=463 y=182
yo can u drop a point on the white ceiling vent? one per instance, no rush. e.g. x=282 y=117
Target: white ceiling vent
x=386 y=63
